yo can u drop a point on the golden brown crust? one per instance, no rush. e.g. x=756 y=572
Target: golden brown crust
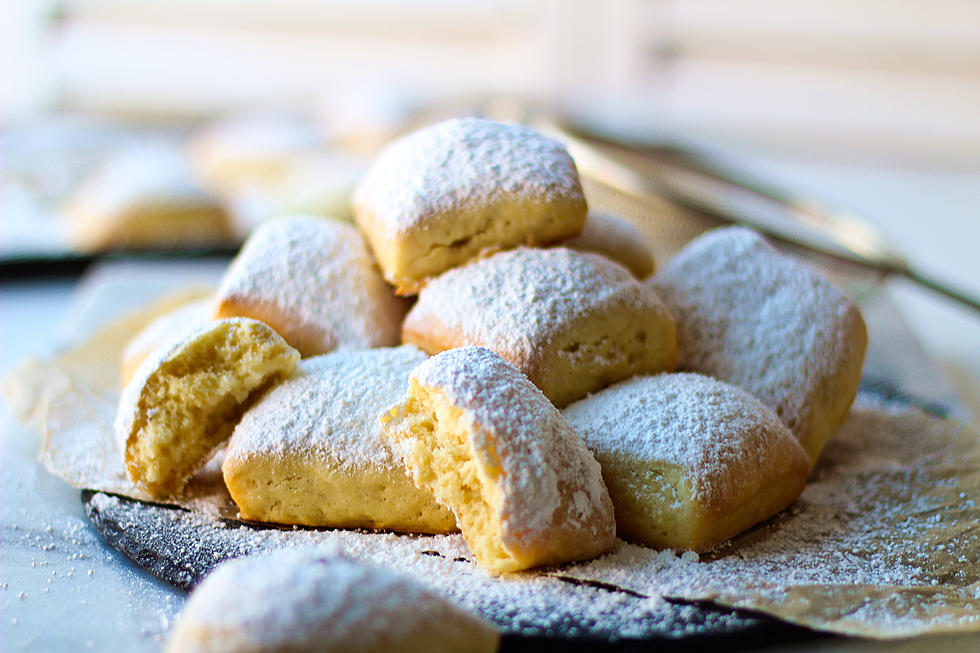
x=298 y=490
x=831 y=400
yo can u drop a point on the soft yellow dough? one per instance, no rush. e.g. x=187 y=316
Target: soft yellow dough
x=185 y=399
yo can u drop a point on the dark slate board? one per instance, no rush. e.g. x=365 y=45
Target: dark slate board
x=177 y=552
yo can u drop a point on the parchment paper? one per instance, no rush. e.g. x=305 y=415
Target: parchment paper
x=884 y=542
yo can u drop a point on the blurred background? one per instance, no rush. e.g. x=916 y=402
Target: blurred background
x=241 y=110
x=868 y=78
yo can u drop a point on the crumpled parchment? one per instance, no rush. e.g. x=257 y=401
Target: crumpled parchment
x=883 y=543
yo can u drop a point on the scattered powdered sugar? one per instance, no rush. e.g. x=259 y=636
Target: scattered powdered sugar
x=183 y=547
x=883 y=542
x=723 y=437
x=754 y=318
x=318 y=278
x=463 y=163
x=518 y=431
x=515 y=301
x=330 y=409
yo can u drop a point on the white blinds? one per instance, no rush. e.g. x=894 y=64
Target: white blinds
x=882 y=76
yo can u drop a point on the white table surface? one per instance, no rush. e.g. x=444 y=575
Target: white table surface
x=62 y=589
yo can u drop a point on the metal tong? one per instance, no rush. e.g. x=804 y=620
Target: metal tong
x=693 y=181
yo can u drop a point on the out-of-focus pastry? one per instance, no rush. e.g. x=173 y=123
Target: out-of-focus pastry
x=312 y=183
x=305 y=600
x=235 y=152
x=146 y=197
x=362 y=120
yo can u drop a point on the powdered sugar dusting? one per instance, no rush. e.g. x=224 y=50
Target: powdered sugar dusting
x=521 y=433
x=882 y=543
x=525 y=603
x=720 y=435
x=462 y=163
x=330 y=409
x=318 y=274
x=758 y=320
x=519 y=299
x=312 y=599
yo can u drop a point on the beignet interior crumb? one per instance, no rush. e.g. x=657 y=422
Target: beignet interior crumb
x=652 y=502
x=193 y=401
x=442 y=461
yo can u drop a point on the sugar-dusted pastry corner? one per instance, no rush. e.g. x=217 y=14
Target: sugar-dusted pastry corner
x=450 y=192
x=689 y=461
x=145 y=197
x=314 y=281
x=488 y=444
x=307 y=600
x=186 y=397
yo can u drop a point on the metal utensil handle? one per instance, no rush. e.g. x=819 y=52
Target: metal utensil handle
x=852 y=239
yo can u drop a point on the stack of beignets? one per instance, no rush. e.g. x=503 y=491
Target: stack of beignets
x=470 y=215
x=770 y=325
